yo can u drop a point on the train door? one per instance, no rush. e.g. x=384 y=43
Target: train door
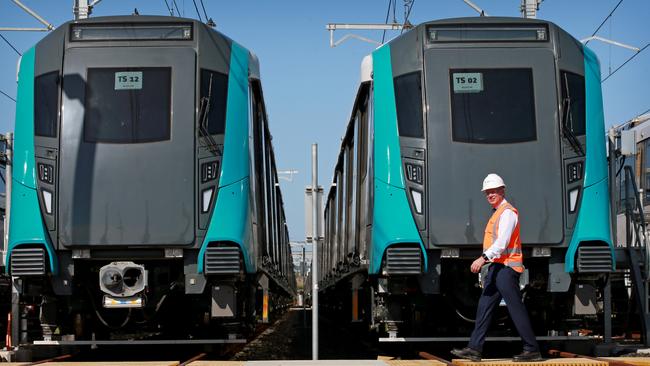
x=492 y=110
x=127 y=147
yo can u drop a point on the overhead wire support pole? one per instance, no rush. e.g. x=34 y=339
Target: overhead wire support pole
x=475 y=7
x=34 y=14
x=529 y=8
x=12 y=29
x=331 y=27
x=609 y=41
x=314 y=256
x=636 y=50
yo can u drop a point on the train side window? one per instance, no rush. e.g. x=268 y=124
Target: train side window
x=128 y=105
x=492 y=106
x=46 y=102
x=408 y=99
x=573 y=88
x=214 y=94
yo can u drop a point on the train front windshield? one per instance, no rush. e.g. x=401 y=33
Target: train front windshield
x=128 y=105
x=492 y=106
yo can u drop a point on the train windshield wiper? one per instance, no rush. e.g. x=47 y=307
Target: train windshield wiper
x=566 y=129
x=567 y=117
x=203 y=121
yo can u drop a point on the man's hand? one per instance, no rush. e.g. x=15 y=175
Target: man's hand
x=477 y=264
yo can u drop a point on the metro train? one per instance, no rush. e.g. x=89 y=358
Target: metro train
x=145 y=198
x=437 y=109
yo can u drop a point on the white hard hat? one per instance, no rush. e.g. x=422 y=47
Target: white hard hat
x=492 y=181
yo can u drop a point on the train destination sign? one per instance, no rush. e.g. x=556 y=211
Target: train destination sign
x=128 y=80
x=467 y=82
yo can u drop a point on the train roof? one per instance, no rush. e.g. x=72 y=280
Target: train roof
x=52 y=40
x=489 y=21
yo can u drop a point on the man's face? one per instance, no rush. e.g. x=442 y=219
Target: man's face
x=494 y=196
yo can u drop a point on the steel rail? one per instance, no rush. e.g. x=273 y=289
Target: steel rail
x=428 y=356
x=53 y=359
x=195 y=358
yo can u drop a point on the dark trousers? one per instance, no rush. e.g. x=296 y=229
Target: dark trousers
x=502 y=282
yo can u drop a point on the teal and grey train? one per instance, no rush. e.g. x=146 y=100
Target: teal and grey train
x=437 y=109
x=145 y=195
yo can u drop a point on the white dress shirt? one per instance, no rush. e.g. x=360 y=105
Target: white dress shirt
x=507 y=223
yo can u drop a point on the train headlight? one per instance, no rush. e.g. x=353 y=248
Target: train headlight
x=417 y=200
x=206 y=199
x=574 y=172
x=209 y=171
x=47 y=201
x=46 y=173
x=414 y=173
x=573 y=199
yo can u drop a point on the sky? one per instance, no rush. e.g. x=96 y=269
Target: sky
x=309 y=87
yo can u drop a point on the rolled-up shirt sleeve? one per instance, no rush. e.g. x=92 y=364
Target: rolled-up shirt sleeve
x=507 y=223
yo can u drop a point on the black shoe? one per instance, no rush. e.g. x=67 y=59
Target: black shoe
x=528 y=356
x=468 y=353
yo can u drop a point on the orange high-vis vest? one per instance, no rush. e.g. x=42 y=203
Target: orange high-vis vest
x=512 y=255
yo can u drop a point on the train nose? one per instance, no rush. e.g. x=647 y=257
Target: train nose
x=122 y=279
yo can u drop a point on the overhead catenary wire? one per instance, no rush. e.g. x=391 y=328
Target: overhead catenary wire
x=604 y=20
x=197 y=11
x=169 y=9
x=383 y=37
x=177 y=10
x=10 y=45
x=407 y=13
x=625 y=63
x=8 y=96
x=204 y=12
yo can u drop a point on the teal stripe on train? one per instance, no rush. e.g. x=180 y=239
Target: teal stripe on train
x=26 y=225
x=230 y=219
x=392 y=217
x=593 y=219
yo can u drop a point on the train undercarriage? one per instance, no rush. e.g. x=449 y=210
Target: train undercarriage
x=398 y=308
x=167 y=305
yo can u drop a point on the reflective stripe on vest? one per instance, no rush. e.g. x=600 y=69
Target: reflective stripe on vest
x=512 y=255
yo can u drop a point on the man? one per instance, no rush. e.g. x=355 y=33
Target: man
x=502 y=249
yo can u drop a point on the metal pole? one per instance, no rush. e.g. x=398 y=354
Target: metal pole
x=607 y=304
x=33 y=13
x=81 y=9
x=314 y=256
x=8 y=187
x=607 y=291
x=303 y=272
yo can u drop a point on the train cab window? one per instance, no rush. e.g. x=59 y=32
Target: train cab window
x=214 y=93
x=492 y=106
x=128 y=105
x=408 y=99
x=46 y=102
x=573 y=93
